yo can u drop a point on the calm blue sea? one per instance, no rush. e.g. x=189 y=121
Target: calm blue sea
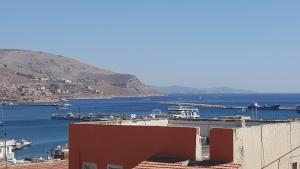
x=33 y=123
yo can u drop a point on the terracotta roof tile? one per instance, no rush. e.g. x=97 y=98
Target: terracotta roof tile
x=45 y=165
x=167 y=163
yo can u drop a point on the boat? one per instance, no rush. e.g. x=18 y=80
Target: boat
x=7 y=103
x=62 y=105
x=25 y=143
x=89 y=117
x=155 y=113
x=183 y=112
x=69 y=116
x=263 y=107
x=57 y=117
x=21 y=144
x=72 y=116
x=60 y=152
x=298 y=108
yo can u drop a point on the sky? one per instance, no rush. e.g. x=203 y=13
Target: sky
x=252 y=45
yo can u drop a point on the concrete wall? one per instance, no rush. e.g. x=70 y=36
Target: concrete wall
x=257 y=146
x=127 y=146
x=206 y=125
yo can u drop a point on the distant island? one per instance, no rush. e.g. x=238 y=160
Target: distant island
x=191 y=90
x=30 y=76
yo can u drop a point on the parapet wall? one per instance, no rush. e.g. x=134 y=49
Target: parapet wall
x=127 y=146
x=206 y=125
x=257 y=147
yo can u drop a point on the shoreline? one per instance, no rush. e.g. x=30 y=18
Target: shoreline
x=52 y=102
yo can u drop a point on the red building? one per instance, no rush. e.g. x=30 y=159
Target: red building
x=94 y=146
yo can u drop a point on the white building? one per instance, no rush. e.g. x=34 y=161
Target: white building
x=7 y=148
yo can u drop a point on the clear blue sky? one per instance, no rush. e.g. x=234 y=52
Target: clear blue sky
x=252 y=44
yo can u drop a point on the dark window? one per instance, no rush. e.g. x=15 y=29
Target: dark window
x=295 y=165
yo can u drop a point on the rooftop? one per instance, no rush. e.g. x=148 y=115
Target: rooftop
x=171 y=163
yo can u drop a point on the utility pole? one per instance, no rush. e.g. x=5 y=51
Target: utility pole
x=4 y=132
x=5 y=150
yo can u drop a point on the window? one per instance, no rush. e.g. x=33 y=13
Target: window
x=89 y=166
x=295 y=165
x=109 y=166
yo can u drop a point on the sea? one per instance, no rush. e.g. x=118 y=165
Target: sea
x=33 y=123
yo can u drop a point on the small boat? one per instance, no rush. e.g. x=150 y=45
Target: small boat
x=69 y=116
x=26 y=143
x=57 y=117
x=60 y=152
x=7 y=103
x=263 y=107
x=21 y=144
x=89 y=117
x=62 y=105
x=155 y=113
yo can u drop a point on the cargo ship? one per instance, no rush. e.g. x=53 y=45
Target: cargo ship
x=263 y=107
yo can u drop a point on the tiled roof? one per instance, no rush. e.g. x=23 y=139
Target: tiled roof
x=45 y=165
x=169 y=163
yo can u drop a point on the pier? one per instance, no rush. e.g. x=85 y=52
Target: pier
x=95 y=117
x=217 y=106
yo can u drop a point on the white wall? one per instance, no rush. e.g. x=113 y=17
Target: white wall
x=257 y=146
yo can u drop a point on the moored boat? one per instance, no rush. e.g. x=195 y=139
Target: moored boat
x=57 y=117
x=18 y=145
x=69 y=116
x=60 y=152
x=185 y=112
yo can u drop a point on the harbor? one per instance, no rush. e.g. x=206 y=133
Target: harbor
x=34 y=123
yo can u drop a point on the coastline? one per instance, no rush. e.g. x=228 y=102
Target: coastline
x=53 y=101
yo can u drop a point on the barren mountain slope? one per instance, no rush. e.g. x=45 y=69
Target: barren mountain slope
x=39 y=76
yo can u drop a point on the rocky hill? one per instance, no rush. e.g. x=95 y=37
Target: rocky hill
x=38 y=76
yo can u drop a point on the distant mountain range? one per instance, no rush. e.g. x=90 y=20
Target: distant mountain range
x=191 y=90
x=39 y=76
